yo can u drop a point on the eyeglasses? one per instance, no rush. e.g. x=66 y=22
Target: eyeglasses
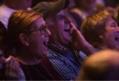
x=43 y=28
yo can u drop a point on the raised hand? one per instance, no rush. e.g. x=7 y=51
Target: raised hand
x=79 y=42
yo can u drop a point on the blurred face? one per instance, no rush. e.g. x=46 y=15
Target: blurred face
x=28 y=3
x=87 y=4
x=63 y=27
x=39 y=37
x=23 y=4
x=111 y=35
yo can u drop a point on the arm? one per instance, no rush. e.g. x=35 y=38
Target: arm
x=79 y=42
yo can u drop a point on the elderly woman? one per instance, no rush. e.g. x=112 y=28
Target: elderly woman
x=27 y=37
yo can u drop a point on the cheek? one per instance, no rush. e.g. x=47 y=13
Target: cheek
x=111 y=38
x=63 y=33
x=37 y=45
x=108 y=36
x=60 y=24
x=64 y=37
x=35 y=40
x=38 y=40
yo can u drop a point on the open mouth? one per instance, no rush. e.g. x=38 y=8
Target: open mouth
x=117 y=38
x=45 y=43
x=45 y=46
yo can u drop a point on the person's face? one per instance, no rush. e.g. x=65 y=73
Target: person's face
x=39 y=37
x=87 y=4
x=63 y=27
x=111 y=35
x=25 y=3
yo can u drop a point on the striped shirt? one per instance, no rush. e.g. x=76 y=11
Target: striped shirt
x=65 y=64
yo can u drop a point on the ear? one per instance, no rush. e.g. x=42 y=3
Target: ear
x=24 y=39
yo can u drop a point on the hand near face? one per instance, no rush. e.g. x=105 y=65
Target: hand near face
x=78 y=40
x=71 y=35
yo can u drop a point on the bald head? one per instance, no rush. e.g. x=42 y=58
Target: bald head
x=103 y=65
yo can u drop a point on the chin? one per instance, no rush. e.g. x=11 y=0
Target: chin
x=45 y=51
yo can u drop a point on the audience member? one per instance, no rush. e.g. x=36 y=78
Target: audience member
x=65 y=43
x=49 y=6
x=27 y=37
x=9 y=6
x=101 y=30
x=103 y=65
x=78 y=28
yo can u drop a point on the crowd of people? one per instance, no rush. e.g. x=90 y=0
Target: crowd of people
x=72 y=40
